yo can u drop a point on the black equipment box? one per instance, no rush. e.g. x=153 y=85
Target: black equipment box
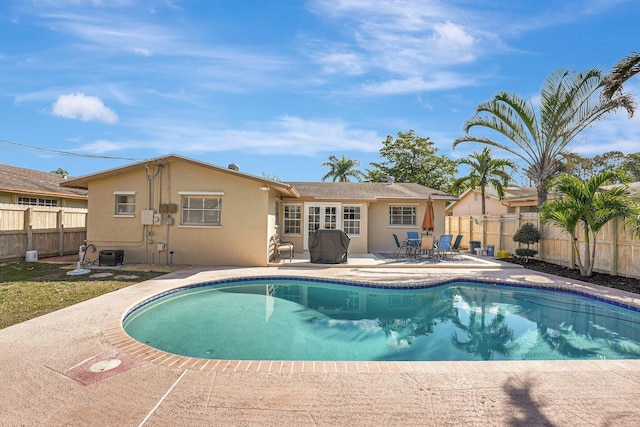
x=111 y=257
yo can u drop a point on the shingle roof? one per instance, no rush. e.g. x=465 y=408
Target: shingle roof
x=367 y=191
x=27 y=181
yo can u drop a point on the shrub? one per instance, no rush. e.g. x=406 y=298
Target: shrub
x=527 y=234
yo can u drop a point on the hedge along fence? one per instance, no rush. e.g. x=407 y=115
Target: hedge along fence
x=617 y=252
x=51 y=231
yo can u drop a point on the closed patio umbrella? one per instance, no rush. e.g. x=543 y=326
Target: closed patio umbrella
x=427 y=221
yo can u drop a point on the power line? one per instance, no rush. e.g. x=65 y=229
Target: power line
x=60 y=152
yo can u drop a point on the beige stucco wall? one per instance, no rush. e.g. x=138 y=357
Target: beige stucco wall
x=471 y=204
x=381 y=233
x=241 y=240
x=358 y=243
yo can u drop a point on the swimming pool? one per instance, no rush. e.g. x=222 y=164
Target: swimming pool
x=303 y=319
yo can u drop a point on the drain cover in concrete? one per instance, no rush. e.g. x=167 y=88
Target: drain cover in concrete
x=103 y=366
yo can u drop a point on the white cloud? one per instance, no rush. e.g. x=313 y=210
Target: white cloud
x=406 y=42
x=83 y=107
x=417 y=84
x=615 y=133
x=286 y=135
x=103 y=146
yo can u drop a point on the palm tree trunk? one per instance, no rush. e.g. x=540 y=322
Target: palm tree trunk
x=484 y=209
x=593 y=258
x=576 y=252
x=542 y=193
x=587 y=266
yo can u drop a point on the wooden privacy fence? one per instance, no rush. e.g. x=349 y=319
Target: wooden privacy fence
x=49 y=231
x=617 y=252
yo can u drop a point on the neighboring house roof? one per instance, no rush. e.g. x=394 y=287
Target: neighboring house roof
x=634 y=188
x=31 y=182
x=511 y=194
x=367 y=191
x=83 y=181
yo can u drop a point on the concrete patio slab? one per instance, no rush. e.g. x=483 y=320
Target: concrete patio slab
x=38 y=356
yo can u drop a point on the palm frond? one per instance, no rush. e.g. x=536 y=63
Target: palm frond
x=626 y=68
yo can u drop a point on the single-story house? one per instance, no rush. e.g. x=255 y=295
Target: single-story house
x=178 y=210
x=516 y=200
x=29 y=187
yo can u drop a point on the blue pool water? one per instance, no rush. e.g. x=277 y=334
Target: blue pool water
x=285 y=319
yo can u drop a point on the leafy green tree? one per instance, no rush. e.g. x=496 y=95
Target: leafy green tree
x=410 y=158
x=484 y=171
x=576 y=165
x=626 y=68
x=340 y=169
x=586 y=167
x=568 y=104
x=631 y=166
x=586 y=207
x=61 y=172
x=527 y=234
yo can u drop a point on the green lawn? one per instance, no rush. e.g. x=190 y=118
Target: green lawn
x=29 y=290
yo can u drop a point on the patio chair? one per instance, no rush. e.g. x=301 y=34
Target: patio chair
x=427 y=245
x=413 y=239
x=280 y=247
x=455 y=248
x=404 y=246
x=443 y=245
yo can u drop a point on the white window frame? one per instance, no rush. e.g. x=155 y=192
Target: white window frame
x=217 y=208
x=117 y=205
x=413 y=215
x=298 y=220
x=37 y=201
x=346 y=220
x=326 y=219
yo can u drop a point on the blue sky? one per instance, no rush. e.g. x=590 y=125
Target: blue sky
x=277 y=86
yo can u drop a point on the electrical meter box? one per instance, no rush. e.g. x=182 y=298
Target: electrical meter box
x=147 y=217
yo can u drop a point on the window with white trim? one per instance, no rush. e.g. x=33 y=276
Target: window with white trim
x=201 y=209
x=292 y=219
x=36 y=201
x=351 y=220
x=402 y=215
x=125 y=203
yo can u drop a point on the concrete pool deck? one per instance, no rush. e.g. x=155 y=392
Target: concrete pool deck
x=77 y=367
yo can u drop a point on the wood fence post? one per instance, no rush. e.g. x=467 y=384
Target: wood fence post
x=500 y=231
x=541 y=245
x=483 y=224
x=613 y=253
x=28 y=228
x=60 y=227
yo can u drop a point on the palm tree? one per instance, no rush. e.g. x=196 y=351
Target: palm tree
x=484 y=171
x=626 y=68
x=587 y=207
x=341 y=169
x=567 y=106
